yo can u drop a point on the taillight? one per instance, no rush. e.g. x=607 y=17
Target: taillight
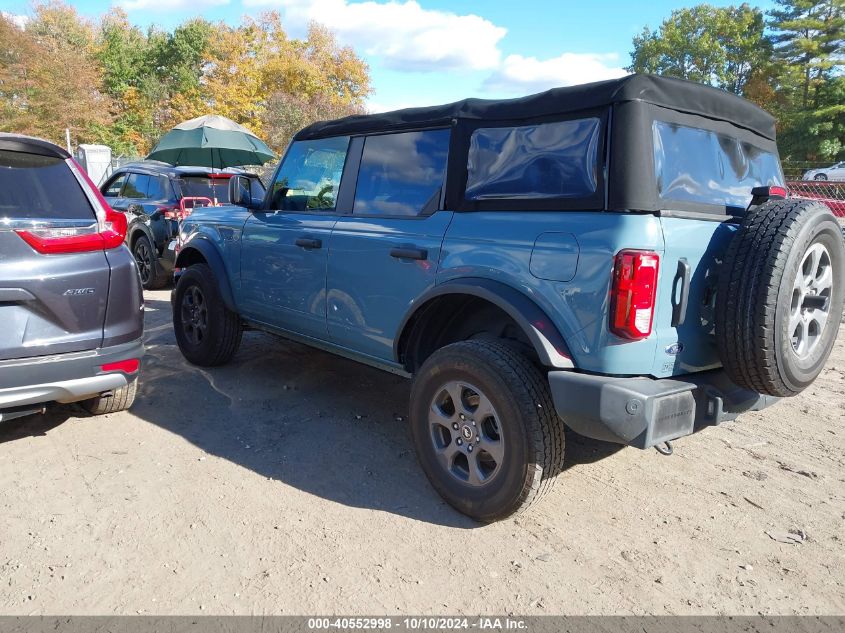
x=633 y=292
x=108 y=232
x=129 y=366
x=171 y=213
x=760 y=195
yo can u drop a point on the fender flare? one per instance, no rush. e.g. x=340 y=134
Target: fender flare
x=140 y=227
x=543 y=334
x=214 y=259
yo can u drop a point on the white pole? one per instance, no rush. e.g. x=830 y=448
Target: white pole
x=67 y=140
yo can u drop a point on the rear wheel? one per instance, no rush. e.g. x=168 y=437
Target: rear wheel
x=485 y=429
x=146 y=260
x=118 y=400
x=207 y=332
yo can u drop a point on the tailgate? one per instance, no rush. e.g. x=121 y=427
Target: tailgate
x=49 y=304
x=691 y=345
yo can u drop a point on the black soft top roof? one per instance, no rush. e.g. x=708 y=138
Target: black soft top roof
x=675 y=94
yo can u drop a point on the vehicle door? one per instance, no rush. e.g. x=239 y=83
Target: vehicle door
x=113 y=191
x=838 y=172
x=385 y=253
x=285 y=244
x=133 y=197
x=161 y=207
x=52 y=298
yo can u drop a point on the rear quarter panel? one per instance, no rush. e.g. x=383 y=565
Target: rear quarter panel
x=498 y=245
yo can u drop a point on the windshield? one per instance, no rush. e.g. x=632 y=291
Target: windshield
x=309 y=177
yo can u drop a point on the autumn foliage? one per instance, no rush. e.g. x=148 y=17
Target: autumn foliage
x=109 y=82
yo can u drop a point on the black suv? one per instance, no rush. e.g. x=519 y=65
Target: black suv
x=155 y=196
x=70 y=298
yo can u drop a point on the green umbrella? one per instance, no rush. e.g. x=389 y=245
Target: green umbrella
x=211 y=141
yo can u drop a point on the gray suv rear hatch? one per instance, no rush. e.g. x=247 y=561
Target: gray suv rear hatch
x=50 y=303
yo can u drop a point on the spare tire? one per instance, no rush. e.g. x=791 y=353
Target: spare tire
x=779 y=296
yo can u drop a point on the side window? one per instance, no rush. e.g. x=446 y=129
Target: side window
x=309 y=178
x=402 y=174
x=547 y=160
x=136 y=186
x=158 y=188
x=113 y=188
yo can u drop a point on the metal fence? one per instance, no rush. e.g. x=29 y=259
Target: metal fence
x=831 y=193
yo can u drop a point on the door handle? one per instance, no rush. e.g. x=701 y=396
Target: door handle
x=309 y=243
x=679 y=309
x=409 y=253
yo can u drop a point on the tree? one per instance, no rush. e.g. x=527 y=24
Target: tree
x=722 y=47
x=809 y=46
x=809 y=35
x=232 y=85
x=287 y=113
x=309 y=80
x=122 y=52
x=16 y=52
x=113 y=83
x=178 y=58
x=56 y=80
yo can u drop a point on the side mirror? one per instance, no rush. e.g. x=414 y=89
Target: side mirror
x=239 y=191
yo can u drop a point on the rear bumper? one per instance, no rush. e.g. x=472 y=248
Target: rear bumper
x=63 y=377
x=643 y=412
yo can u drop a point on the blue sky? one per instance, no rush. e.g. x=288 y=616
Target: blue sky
x=423 y=52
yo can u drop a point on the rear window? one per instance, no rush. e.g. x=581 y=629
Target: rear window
x=697 y=165
x=35 y=186
x=204 y=187
x=546 y=160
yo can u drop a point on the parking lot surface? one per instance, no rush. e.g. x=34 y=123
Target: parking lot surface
x=286 y=483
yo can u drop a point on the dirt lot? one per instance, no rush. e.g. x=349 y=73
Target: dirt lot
x=286 y=483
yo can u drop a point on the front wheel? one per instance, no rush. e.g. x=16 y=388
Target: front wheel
x=207 y=332
x=820 y=177
x=485 y=429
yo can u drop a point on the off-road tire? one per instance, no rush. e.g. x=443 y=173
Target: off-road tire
x=755 y=292
x=154 y=280
x=118 y=400
x=224 y=328
x=519 y=392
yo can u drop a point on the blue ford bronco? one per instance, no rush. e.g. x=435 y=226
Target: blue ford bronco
x=619 y=257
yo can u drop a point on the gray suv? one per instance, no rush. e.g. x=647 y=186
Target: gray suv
x=71 y=306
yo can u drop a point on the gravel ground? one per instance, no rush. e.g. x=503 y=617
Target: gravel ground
x=285 y=483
